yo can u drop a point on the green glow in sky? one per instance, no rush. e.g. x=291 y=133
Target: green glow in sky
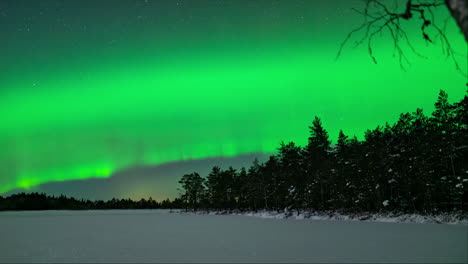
x=87 y=90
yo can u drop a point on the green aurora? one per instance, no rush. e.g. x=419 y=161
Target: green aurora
x=88 y=88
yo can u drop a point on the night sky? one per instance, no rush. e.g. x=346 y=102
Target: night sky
x=91 y=89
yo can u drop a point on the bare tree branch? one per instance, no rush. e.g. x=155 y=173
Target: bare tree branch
x=379 y=17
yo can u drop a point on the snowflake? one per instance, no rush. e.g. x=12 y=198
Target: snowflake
x=385 y=203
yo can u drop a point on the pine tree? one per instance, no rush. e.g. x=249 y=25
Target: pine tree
x=194 y=188
x=257 y=186
x=316 y=159
x=340 y=171
x=444 y=157
x=290 y=184
x=215 y=188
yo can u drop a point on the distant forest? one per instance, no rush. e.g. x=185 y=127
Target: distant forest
x=41 y=201
x=417 y=165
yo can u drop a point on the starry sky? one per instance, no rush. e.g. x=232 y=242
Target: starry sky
x=90 y=89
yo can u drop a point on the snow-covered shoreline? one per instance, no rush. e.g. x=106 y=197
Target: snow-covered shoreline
x=157 y=236
x=453 y=219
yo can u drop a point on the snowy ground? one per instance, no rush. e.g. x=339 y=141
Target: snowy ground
x=159 y=236
x=453 y=219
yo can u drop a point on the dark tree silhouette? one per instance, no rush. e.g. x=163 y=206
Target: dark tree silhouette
x=290 y=183
x=316 y=161
x=41 y=201
x=417 y=164
x=194 y=189
x=382 y=16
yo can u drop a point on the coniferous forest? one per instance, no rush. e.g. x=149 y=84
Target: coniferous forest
x=41 y=201
x=418 y=164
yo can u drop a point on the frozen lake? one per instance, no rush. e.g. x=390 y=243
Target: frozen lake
x=158 y=236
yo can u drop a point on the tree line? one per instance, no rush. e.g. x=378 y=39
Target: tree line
x=417 y=164
x=41 y=201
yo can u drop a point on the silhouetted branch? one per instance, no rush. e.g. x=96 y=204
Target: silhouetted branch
x=378 y=17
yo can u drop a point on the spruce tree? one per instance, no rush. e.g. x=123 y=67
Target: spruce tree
x=316 y=159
